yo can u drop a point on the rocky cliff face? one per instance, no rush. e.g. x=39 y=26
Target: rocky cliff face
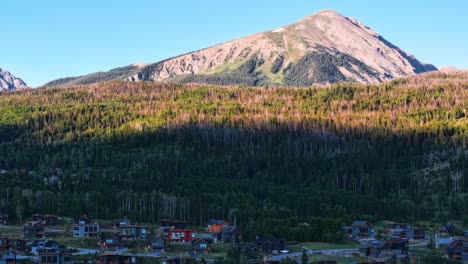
x=9 y=82
x=323 y=48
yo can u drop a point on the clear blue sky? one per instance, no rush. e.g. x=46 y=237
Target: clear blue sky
x=48 y=39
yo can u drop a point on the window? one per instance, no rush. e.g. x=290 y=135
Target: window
x=182 y=235
x=203 y=245
x=54 y=259
x=86 y=229
x=76 y=228
x=193 y=235
x=81 y=222
x=43 y=259
x=109 y=241
x=66 y=259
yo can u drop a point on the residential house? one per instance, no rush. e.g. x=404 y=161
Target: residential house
x=375 y=249
x=45 y=246
x=112 y=241
x=399 y=226
x=172 y=260
x=271 y=245
x=229 y=233
x=134 y=231
x=167 y=225
x=155 y=244
x=123 y=222
x=8 y=256
x=13 y=243
x=85 y=227
x=33 y=230
x=360 y=229
x=3 y=218
x=18 y=244
x=458 y=250
x=410 y=233
x=201 y=246
x=181 y=235
x=117 y=259
x=447 y=229
x=55 y=258
x=45 y=219
x=216 y=225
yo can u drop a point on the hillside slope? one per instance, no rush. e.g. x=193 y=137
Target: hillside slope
x=323 y=48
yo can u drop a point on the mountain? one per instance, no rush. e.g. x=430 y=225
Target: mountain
x=9 y=82
x=323 y=48
x=452 y=69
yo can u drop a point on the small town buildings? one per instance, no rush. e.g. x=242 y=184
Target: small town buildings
x=85 y=227
x=201 y=246
x=360 y=229
x=3 y=218
x=271 y=245
x=55 y=258
x=117 y=259
x=167 y=225
x=45 y=219
x=216 y=225
x=155 y=244
x=458 y=250
x=447 y=229
x=45 y=246
x=123 y=222
x=181 y=235
x=229 y=233
x=112 y=241
x=33 y=230
x=134 y=231
x=8 y=256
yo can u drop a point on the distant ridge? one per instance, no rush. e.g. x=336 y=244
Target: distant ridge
x=322 y=48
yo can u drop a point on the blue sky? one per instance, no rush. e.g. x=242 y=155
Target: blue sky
x=49 y=39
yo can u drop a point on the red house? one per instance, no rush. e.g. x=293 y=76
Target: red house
x=181 y=235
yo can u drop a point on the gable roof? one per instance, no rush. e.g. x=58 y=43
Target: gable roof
x=215 y=222
x=362 y=223
x=229 y=229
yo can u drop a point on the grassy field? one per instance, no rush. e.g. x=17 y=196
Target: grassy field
x=321 y=246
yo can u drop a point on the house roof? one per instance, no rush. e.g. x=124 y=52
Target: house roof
x=361 y=223
x=229 y=229
x=215 y=222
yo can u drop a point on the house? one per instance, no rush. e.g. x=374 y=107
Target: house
x=181 y=235
x=85 y=227
x=18 y=244
x=201 y=246
x=123 y=222
x=170 y=261
x=155 y=244
x=9 y=257
x=360 y=229
x=117 y=259
x=55 y=258
x=134 y=231
x=410 y=233
x=394 y=245
x=393 y=226
x=458 y=250
x=167 y=225
x=33 y=230
x=45 y=219
x=45 y=246
x=216 y=225
x=112 y=241
x=229 y=233
x=268 y=245
x=447 y=229
x=3 y=218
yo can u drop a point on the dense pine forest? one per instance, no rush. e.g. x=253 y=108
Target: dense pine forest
x=266 y=158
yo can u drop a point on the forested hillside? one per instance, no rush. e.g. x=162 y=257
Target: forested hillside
x=270 y=158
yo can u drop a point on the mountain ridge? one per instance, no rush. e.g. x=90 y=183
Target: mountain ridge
x=322 y=48
x=10 y=82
